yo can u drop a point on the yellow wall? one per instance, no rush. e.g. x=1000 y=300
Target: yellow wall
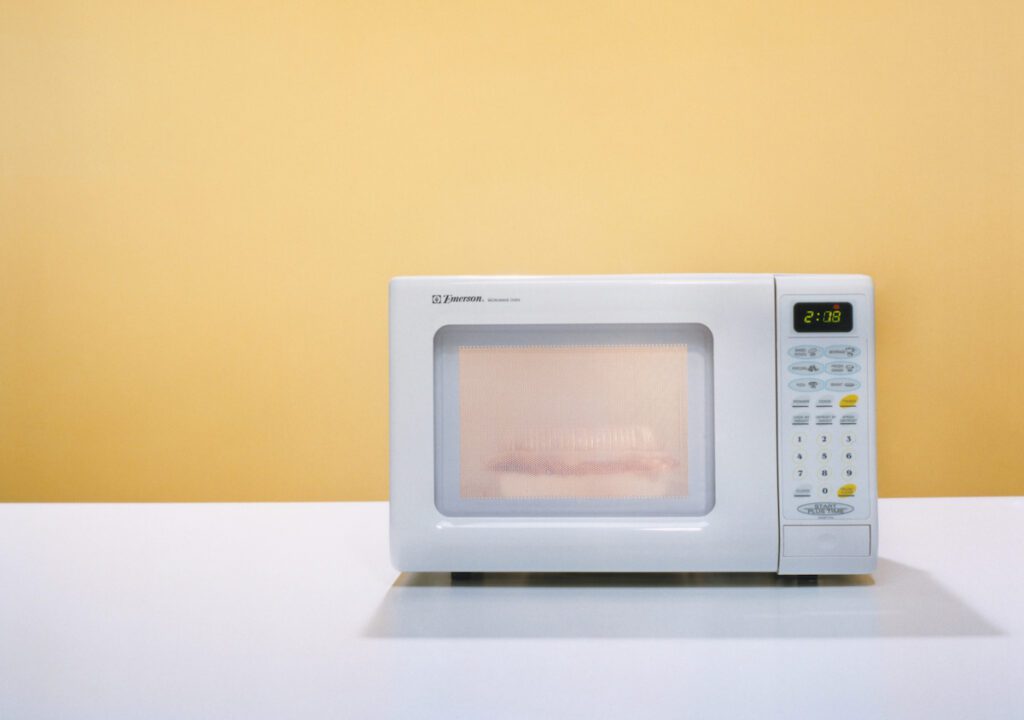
x=201 y=204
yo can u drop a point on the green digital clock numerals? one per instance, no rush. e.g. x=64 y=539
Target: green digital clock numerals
x=823 y=317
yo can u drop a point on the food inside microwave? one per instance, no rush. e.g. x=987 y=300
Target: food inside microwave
x=610 y=462
x=584 y=451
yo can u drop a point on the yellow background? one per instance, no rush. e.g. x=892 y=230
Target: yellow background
x=201 y=205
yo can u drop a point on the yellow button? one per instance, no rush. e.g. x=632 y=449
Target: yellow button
x=848 y=401
x=847 y=490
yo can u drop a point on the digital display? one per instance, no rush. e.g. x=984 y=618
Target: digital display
x=823 y=317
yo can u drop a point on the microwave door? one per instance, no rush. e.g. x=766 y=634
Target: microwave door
x=575 y=424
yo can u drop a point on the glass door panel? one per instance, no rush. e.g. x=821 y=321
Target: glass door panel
x=573 y=420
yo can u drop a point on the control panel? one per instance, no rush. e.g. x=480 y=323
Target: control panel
x=823 y=465
x=827 y=491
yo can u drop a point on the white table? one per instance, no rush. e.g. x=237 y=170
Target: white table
x=293 y=611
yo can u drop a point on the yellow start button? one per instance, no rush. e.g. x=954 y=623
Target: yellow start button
x=847 y=490
x=848 y=401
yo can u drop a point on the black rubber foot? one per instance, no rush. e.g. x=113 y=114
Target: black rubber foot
x=461 y=577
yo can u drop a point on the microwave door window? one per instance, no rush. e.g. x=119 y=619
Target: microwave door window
x=573 y=423
x=556 y=420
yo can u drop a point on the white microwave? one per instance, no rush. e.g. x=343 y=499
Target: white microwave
x=648 y=423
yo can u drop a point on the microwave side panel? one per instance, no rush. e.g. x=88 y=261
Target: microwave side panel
x=828 y=486
x=737 y=532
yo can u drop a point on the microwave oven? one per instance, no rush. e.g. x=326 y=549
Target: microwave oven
x=647 y=423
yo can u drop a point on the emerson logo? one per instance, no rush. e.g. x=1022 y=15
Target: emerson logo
x=445 y=299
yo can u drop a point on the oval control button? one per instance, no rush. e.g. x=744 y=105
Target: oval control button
x=807 y=384
x=806 y=352
x=842 y=352
x=843 y=368
x=806 y=368
x=843 y=384
x=825 y=508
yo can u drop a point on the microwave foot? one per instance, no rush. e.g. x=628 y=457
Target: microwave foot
x=806 y=580
x=461 y=577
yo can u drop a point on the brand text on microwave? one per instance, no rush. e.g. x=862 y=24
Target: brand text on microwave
x=445 y=299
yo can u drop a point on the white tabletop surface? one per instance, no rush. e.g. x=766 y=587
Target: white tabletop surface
x=293 y=611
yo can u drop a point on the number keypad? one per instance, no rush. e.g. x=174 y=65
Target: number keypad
x=826 y=460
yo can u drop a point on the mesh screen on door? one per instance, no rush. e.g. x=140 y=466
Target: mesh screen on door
x=573 y=421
